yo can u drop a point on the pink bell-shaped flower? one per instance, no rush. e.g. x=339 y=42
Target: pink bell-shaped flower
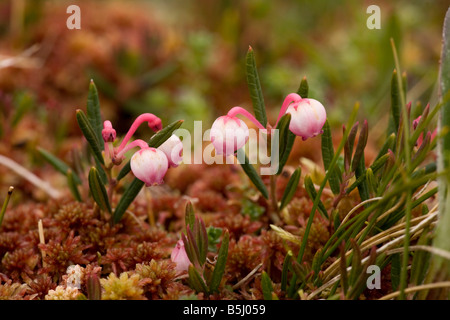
x=307 y=118
x=149 y=165
x=180 y=257
x=228 y=134
x=173 y=149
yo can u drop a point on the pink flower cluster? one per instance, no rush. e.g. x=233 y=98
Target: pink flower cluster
x=229 y=133
x=148 y=164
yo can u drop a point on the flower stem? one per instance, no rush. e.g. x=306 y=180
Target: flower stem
x=292 y=97
x=136 y=143
x=273 y=193
x=153 y=121
x=238 y=110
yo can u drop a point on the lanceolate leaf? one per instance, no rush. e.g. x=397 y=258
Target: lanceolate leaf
x=219 y=269
x=155 y=141
x=377 y=165
x=58 y=164
x=73 y=185
x=284 y=272
x=287 y=139
x=93 y=112
x=395 y=271
x=127 y=198
x=395 y=101
x=161 y=136
x=250 y=171
x=254 y=87
x=90 y=135
x=303 y=88
x=309 y=186
x=196 y=280
x=189 y=215
x=290 y=188
x=362 y=142
x=327 y=156
x=266 y=285
x=442 y=241
x=98 y=190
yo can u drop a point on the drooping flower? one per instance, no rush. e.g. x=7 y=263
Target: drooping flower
x=149 y=165
x=228 y=134
x=173 y=149
x=180 y=257
x=307 y=118
x=307 y=115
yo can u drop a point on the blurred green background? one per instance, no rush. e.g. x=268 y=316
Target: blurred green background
x=186 y=60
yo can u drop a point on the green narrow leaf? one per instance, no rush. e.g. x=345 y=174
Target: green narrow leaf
x=189 y=215
x=421 y=259
x=388 y=144
x=371 y=181
x=348 y=146
x=303 y=88
x=377 y=165
x=93 y=112
x=266 y=285
x=358 y=162
x=286 y=141
x=284 y=272
x=327 y=155
x=251 y=173
x=316 y=263
x=219 y=269
x=395 y=271
x=356 y=264
x=283 y=127
x=362 y=142
x=189 y=249
x=442 y=240
x=155 y=141
x=194 y=247
x=254 y=87
x=343 y=269
x=127 y=198
x=363 y=187
x=291 y=188
x=195 y=280
x=312 y=193
x=395 y=101
x=90 y=135
x=287 y=150
x=73 y=186
x=98 y=190
x=58 y=164
x=202 y=241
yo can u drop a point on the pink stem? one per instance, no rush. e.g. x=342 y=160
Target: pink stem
x=136 y=143
x=238 y=110
x=146 y=117
x=292 y=97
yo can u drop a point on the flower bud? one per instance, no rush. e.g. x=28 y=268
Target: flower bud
x=173 y=149
x=228 y=134
x=149 y=165
x=180 y=257
x=307 y=118
x=108 y=132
